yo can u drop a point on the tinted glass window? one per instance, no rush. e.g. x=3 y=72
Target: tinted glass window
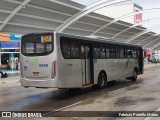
x=117 y=51
x=48 y=47
x=70 y=48
x=121 y=50
x=82 y=52
x=125 y=52
x=40 y=48
x=113 y=51
x=37 y=44
x=87 y=52
x=107 y=51
x=65 y=47
x=134 y=53
x=29 y=48
x=74 y=49
x=96 y=51
x=129 y=53
x=102 y=51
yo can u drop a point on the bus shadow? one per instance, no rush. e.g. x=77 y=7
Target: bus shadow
x=60 y=98
x=111 y=86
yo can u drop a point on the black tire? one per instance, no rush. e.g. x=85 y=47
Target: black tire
x=135 y=73
x=102 y=80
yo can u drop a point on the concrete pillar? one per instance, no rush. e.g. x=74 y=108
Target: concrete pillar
x=12 y=60
x=0 y=54
x=0 y=58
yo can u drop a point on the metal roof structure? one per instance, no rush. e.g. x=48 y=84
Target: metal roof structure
x=26 y=16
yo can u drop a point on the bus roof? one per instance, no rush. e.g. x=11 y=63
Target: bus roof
x=100 y=39
x=90 y=38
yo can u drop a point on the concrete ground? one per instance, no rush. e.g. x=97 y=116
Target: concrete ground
x=121 y=95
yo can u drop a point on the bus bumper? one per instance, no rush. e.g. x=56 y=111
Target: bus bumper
x=35 y=83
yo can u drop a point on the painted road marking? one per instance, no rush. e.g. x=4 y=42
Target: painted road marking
x=63 y=108
x=69 y=106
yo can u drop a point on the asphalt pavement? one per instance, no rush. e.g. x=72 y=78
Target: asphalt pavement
x=121 y=95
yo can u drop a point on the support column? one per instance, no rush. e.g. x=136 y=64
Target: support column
x=0 y=58
x=12 y=60
x=158 y=55
x=0 y=54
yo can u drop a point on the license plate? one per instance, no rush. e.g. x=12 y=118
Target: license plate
x=35 y=74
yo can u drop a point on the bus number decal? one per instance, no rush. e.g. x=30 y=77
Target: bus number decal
x=69 y=65
x=43 y=65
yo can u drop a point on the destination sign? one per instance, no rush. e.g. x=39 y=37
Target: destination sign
x=46 y=38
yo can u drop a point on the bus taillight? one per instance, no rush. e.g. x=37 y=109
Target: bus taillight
x=54 y=69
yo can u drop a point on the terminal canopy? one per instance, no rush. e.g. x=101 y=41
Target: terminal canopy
x=26 y=16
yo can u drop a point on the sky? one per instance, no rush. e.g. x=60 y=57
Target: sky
x=146 y=4
x=150 y=4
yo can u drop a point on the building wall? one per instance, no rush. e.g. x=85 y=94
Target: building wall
x=120 y=9
x=138 y=17
x=9 y=42
x=9 y=37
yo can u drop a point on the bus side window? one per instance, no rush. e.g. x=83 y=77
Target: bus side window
x=102 y=51
x=121 y=52
x=129 y=52
x=138 y=53
x=65 y=47
x=113 y=51
x=75 y=49
x=117 y=51
x=107 y=51
x=96 y=50
x=134 y=53
x=125 y=52
x=48 y=47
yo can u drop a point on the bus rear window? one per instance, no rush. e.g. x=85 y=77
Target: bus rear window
x=37 y=45
x=29 y=48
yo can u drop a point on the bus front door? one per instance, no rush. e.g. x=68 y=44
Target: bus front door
x=86 y=63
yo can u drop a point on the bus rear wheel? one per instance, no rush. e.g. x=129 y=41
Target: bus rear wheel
x=102 y=80
x=135 y=73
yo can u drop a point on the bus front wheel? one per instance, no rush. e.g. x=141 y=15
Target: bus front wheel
x=102 y=80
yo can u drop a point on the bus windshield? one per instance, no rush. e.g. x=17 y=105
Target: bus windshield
x=37 y=44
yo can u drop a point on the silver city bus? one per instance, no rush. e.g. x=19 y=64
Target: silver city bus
x=67 y=61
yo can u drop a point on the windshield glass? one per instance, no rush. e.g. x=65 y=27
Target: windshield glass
x=36 y=45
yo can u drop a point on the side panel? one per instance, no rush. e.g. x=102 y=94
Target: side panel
x=68 y=70
x=114 y=68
